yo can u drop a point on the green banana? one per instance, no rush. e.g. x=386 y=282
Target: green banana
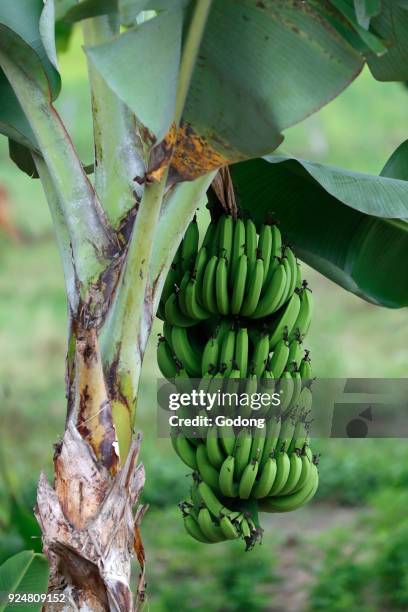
x=173 y=314
x=221 y=286
x=227 y=438
x=285 y=321
x=276 y=241
x=302 y=323
x=297 y=388
x=282 y=473
x=214 y=452
x=226 y=478
x=248 y=480
x=189 y=246
x=241 y=351
x=258 y=443
x=253 y=289
x=273 y=294
x=305 y=369
x=228 y=528
x=207 y=472
x=185 y=451
x=290 y=256
x=172 y=279
x=209 y=360
x=165 y=360
x=271 y=439
x=192 y=306
x=298 y=276
x=239 y=284
x=286 y=388
x=251 y=245
x=225 y=237
x=285 y=434
x=305 y=473
x=184 y=351
x=291 y=502
x=242 y=451
x=279 y=358
x=265 y=247
x=227 y=351
x=209 y=241
x=300 y=434
x=260 y=355
x=167 y=329
x=210 y=499
x=238 y=249
x=286 y=294
x=181 y=294
x=211 y=531
x=265 y=482
x=194 y=530
x=295 y=353
x=295 y=471
x=199 y=269
x=208 y=296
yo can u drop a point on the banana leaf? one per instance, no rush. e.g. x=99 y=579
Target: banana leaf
x=350 y=227
x=391 y=24
x=262 y=66
x=27 y=35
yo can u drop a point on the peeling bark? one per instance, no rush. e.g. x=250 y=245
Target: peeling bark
x=90 y=531
x=91 y=541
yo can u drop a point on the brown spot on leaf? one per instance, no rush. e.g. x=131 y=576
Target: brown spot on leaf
x=161 y=155
x=195 y=155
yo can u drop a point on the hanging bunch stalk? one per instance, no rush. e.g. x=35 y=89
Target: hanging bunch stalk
x=236 y=312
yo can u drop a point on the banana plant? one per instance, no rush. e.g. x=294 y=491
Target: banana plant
x=179 y=88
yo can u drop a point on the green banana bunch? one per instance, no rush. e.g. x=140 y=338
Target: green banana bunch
x=236 y=313
x=236 y=273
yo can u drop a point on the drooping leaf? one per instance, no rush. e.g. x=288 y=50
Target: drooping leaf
x=397 y=165
x=379 y=196
x=26 y=572
x=20 y=23
x=21 y=41
x=141 y=66
x=358 y=251
x=392 y=25
x=246 y=87
x=22 y=157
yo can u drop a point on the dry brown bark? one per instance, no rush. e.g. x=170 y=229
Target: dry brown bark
x=88 y=519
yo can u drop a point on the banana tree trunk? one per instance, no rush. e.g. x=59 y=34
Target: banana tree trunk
x=117 y=237
x=90 y=531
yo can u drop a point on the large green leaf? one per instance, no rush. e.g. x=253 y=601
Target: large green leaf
x=380 y=196
x=26 y=572
x=397 y=165
x=26 y=36
x=392 y=25
x=262 y=67
x=141 y=66
x=323 y=213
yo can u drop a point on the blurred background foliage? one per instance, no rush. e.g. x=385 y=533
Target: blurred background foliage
x=348 y=550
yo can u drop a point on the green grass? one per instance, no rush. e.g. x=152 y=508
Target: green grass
x=348 y=337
